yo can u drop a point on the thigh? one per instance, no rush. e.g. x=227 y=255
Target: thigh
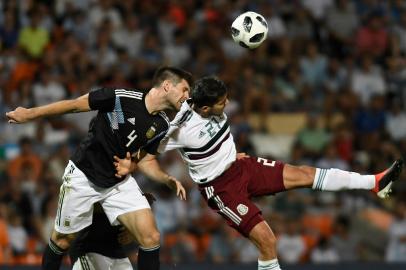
x=236 y=208
x=124 y=198
x=265 y=176
x=76 y=199
x=140 y=223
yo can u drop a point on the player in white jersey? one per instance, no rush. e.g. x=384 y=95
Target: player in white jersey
x=201 y=134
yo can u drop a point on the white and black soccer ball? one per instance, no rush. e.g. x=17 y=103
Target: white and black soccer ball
x=249 y=29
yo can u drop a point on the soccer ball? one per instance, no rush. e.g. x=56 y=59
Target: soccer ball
x=249 y=29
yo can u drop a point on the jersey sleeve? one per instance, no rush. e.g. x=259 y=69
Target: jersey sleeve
x=102 y=99
x=174 y=137
x=152 y=148
x=171 y=141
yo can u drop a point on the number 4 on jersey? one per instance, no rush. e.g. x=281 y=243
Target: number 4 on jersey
x=265 y=162
x=131 y=137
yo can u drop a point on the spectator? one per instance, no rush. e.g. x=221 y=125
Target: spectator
x=48 y=89
x=312 y=137
x=399 y=31
x=368 y=80
x=396 y=249
x=313 y=66
x=104 y=11
x=27 y=157
x=324 y=252
x=9 y=30
x=372 y=38
x=18 y=235
x=396 y=122
x=33 y=39
x=341 y=22
x=343 y=241
x=290 y=245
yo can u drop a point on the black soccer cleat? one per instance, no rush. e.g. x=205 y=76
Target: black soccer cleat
x=385 y=179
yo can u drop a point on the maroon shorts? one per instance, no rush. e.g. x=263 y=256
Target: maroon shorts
x=230 y=194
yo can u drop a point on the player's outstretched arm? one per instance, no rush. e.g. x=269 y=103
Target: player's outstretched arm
x=22 y=115
x=149 y=166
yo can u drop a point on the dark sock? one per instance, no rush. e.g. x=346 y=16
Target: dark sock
x=148 y=259
x=52 y=256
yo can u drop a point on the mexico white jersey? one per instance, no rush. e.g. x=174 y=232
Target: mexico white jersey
x=206 y=144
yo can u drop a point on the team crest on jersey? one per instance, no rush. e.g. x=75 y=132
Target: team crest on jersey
x=150 y=132
x=66 y=222
x=242 y=209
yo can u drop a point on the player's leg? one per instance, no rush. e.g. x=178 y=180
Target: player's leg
x=141 y=224
x=336 y=179
x=265 y=241
x=57 y=247
x=226 y=196
x=131 y=209
x=75 y=208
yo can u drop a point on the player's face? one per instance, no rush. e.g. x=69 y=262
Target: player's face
x=218 y=108
x=178 y=93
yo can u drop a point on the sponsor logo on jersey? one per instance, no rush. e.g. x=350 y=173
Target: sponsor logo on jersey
x=242 y=209
x=201 y=134
x=131 y=120
x=150 y=132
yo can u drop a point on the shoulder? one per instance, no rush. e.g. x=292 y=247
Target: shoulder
x=129 y=93
x=164 y=117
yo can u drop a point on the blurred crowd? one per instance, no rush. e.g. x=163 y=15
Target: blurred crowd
x=339 y=63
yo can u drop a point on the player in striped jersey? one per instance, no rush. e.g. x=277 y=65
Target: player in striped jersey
x=127 y=120
x=202 y=135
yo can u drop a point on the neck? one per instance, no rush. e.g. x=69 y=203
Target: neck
x=155 y=102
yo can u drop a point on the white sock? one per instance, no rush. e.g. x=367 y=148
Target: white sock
x=269 y=265
x=335 y=179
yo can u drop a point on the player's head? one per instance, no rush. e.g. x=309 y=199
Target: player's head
x=175 y=82
x=209 y=95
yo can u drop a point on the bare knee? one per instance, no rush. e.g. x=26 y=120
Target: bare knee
x=267 y=244
x=149 y=239
x=62 y=240
x=264 y=239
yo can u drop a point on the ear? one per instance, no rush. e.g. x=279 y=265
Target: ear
x=205 y=110
x=166 y=85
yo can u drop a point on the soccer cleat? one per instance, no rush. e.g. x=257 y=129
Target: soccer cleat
x=385 y=179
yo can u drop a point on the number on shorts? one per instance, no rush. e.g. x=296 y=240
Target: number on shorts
x=132 y=136
x=265 y=162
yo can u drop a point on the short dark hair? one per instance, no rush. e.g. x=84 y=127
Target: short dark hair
x=175 y=75
x=207 y=91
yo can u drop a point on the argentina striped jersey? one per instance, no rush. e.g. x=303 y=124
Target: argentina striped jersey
x=206 y=144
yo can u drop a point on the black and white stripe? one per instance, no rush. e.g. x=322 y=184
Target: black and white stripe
x=129 y=94
x=84 y=263
x=165 y=117
x=211 y=147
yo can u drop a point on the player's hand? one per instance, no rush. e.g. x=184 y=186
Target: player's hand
x=174 y=184
x=123 y=166
x=19 y=115
x=242 y=155
x=124 y=236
